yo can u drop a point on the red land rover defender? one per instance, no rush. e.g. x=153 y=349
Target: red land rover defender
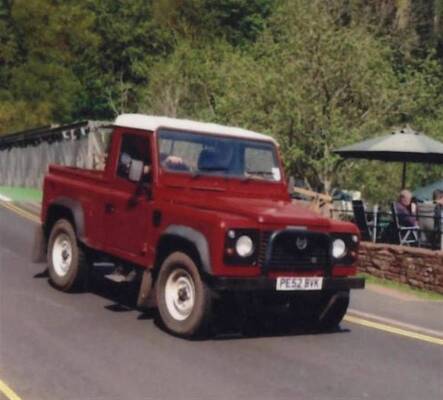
x=200 y=212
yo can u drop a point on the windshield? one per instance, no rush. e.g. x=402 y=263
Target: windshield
x=201 y=154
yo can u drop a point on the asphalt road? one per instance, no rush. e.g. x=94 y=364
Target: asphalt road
x=57 y=346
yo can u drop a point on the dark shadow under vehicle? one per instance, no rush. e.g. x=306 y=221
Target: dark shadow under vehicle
x=233 y=317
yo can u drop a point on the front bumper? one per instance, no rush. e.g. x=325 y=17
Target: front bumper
x=269 y=284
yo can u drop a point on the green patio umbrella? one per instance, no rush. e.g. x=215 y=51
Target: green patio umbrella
x=425 y=193
x=403 y=145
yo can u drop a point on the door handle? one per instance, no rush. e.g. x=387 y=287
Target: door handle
x=109 y=208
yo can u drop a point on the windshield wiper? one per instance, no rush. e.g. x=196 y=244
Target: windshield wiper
x=201 y=172
x=261 y=173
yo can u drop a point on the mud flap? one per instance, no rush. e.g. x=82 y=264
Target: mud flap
x=144 y=299
x=39 y=246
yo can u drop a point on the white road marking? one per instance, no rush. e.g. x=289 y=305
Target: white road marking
x=4 y=198
x=392 y=329
x=395 y=323
x=8 y=392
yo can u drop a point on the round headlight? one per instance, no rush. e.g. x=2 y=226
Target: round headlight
x=244 y=246
x=338 y=248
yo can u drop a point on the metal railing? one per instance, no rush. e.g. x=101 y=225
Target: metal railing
x=25 y=156
x=381 y=224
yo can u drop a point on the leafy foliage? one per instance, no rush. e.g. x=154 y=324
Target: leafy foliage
x=317 y=74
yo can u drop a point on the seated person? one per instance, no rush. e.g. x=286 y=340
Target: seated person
x=124 y=166
x=133 y=148
x=170 y=162
x=438 y=217
x=426 y=221
x=437 y=196
x=215 y=160
x=406 y=209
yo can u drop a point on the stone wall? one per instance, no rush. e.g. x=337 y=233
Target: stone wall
x=420 y=268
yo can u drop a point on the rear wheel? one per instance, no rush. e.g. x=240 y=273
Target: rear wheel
x=67 y=262
x=183 y=299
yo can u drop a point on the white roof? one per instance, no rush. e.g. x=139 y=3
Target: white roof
x=152 y=123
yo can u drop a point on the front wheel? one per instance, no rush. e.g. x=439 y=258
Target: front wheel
x=67 y=264
x=322 y=312
x=183 y=299
x=332 y=311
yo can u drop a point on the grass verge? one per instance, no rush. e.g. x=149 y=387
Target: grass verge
x=403 y=287
x=21 y=194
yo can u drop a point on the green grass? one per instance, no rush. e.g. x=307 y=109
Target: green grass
x=403 y=287
x=21 y=194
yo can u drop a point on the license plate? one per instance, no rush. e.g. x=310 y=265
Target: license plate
x=299 y=283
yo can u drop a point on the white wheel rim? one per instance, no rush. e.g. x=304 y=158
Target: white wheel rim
x=62 y=254
x=180 y=294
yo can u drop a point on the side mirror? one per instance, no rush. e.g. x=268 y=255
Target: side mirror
x=135 y=171
x=291 y=184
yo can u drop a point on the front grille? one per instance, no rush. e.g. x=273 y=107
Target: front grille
x=264 y=241
x=293 y=249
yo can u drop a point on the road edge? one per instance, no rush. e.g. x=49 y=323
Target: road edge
x=395 y=323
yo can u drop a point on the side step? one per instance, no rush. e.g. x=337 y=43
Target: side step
x=146 y=293
x=118 y=276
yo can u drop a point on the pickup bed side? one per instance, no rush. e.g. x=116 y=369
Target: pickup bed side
x=72 y=193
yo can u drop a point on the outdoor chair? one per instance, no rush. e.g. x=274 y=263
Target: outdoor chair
x=438 y=225
x=406 y=235
x=426 y=223
x=361 y=221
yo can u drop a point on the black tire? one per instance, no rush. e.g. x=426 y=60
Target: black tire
x=332 y=311
x=323 y=311
x=179 y=314
x=70 y=273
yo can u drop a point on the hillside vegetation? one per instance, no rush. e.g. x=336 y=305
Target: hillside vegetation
x=316 y=74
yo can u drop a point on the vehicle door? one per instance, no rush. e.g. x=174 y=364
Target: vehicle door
x=127 y=207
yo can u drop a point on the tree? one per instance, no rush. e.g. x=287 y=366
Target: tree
x=9 y=46
x=315 y=84
x=239 y=22
x=187 y=83
x=40 y=83
x=315 y=74
x=132 y=40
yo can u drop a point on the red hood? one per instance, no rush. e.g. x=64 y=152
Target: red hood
x=265 y=211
